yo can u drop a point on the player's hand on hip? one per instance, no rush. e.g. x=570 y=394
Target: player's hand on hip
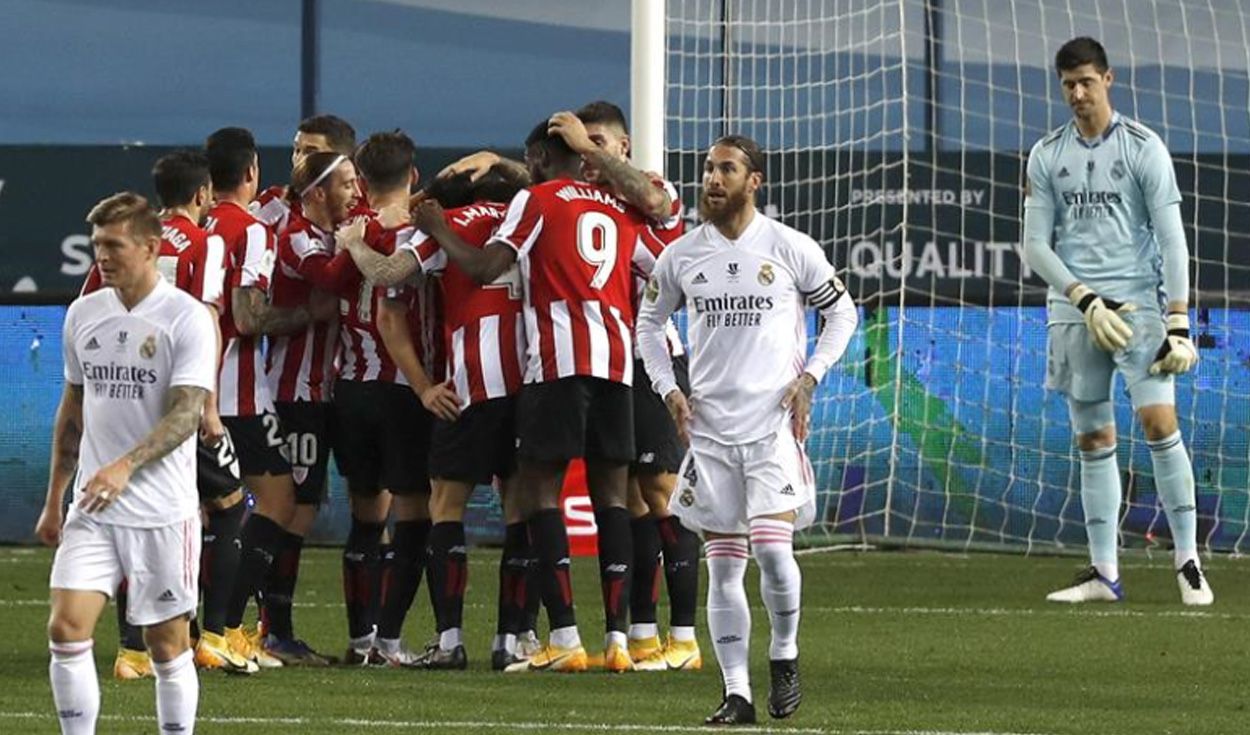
x=440 y=400
x=1177 y=354
x=798 y=398
x=679 y=409
x=104 y=487
x=1103 y=317
x=48 y=527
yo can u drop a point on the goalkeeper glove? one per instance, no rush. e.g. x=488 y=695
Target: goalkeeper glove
x=1177 y=353
x=1102 y=317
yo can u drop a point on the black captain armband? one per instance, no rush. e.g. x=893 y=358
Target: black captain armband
x=827 y=294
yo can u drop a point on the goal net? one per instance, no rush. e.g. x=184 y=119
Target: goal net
x=897 y=133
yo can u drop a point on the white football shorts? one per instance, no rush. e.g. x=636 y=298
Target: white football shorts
x=161 y=565
x=721 y=487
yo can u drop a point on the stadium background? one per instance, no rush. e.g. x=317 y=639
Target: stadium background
x=95 y=111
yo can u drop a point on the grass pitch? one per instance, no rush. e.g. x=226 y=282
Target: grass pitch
x=891 y=643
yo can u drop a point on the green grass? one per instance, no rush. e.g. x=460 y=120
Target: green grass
x=891 y=642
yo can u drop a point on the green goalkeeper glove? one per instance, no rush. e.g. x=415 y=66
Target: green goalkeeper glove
x=1177 y=354
x=1102 y=317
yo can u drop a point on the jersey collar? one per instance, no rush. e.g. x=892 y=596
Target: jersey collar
x=757 y=222
x=1091 y=144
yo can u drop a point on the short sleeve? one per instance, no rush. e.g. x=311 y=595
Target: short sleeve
x=1157 y=176
x=210 y=272
x=429 y=255
x=258 y=257
x=69 y=350
x=195 y=351
x=521 y=224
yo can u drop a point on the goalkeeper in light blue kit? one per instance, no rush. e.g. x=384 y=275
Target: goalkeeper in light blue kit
x=1102 y=189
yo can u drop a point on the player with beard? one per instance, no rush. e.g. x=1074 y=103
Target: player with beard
x=244 y=401
x=746 y=280
x=300 y=368
x=382 y=427
x=316 y=134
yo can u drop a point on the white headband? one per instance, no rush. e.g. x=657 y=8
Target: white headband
x=322 y=176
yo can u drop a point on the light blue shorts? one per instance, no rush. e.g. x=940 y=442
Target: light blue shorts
x=1079 y=369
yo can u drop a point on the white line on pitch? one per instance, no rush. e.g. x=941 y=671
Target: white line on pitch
x=473 y=724
x=989 y=612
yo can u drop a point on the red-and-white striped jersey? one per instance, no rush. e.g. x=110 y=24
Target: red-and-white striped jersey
x=250 y=256
x=575 y=242
x=362 y=355
x=300 y=367
x=483 y=325
x=193 y=260
x=273 y=210
x=666 y=231
x=190 y=259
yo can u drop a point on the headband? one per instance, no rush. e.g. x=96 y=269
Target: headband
x=322 y=176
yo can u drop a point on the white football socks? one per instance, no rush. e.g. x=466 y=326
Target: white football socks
x=781 y=583
x=75 y=686
x=1174 y=481
x=728 y=613
x=1100 y=499
x=177 y=693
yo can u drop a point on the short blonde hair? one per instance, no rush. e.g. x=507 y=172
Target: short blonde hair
x=129 y=208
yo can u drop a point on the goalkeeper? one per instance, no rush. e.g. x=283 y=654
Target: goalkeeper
x=1102 y=190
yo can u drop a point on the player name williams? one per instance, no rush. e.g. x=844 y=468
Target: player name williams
x=729 y=310
x=571 y=192
x=118 y=381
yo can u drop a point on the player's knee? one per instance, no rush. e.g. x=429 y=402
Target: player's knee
x=1158 y=421
x=168 y=640
x=1098 y=439
x=656 y=492
x=66 y=629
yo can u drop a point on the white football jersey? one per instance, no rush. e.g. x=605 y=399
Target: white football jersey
x=126 y=362
x=746 y=302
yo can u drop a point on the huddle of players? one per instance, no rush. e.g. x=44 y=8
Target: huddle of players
x=357 y=316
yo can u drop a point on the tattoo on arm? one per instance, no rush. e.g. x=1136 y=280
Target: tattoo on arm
x=179 y=422
x=633 y=185
x=68 y=434
x=254 y=315
x=384 y=270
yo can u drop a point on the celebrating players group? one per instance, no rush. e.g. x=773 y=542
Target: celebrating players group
x=477 y=331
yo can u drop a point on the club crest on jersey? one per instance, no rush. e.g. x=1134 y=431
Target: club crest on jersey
x=766 y=275
x=1117 y=170
x=686 y=498
x=147 y=350
x=653 y=289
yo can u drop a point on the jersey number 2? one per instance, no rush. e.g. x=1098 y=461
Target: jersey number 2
x=596 y=243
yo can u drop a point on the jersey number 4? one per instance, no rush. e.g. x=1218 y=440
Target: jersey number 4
x=596 y=243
